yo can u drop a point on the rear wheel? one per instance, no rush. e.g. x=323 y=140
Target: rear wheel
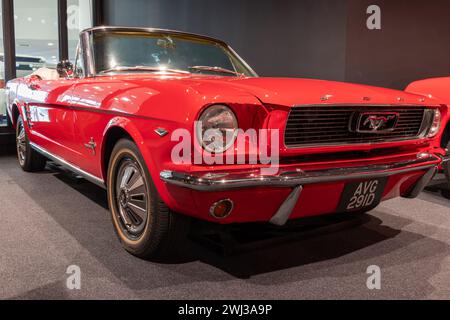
x=29 y=159
x=146 y=227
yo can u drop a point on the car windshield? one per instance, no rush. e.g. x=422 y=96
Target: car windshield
x=131 y=51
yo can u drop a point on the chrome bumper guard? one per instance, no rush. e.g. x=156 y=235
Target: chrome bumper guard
x=297 y=178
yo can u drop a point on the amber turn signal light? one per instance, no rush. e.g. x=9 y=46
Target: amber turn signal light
x=221 y=209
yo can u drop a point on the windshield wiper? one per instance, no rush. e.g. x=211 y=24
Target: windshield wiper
x=142 y=68
x=216 y=69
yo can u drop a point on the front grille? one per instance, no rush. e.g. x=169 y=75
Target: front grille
x=330 y=125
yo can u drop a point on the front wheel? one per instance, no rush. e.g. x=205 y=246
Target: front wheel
x=146 y=227
x=447 y=166
x=29 y=159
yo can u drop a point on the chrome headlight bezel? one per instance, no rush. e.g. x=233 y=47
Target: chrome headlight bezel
x=435 y=124
x=228 y=127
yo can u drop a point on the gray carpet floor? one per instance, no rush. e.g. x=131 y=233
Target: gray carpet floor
x=49 y=221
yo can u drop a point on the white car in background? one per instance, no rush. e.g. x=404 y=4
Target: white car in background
x=25 y=65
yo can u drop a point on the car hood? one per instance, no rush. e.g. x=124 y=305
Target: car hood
x=292 y=92
x=154 y=96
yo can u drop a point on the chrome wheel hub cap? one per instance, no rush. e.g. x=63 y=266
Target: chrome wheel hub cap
x=131 y=197
x=124 y=198
x=21 y=144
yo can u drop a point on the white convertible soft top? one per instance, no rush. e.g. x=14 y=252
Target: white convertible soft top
x=46 y=74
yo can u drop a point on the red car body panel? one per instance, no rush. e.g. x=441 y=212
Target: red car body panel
x=67 y=114
x=438 y=89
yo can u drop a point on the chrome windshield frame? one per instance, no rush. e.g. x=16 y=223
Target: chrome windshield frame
x=88 y=49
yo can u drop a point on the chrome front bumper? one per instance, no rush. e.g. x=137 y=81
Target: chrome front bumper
x=296 y=178
x=210 y=182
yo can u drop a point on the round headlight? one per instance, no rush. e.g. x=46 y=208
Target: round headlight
x=217 y=128
x=436 y=124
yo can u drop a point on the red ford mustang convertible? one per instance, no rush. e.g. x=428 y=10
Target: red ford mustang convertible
x=177 y=125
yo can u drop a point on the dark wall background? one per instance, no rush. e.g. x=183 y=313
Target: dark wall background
x=414 y=42
x=325 y=39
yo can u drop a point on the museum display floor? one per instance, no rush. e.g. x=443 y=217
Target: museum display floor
x=50 y=221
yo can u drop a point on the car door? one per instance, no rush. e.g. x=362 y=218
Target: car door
x=91 y=120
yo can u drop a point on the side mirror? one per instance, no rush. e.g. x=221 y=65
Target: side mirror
x=65 y=69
